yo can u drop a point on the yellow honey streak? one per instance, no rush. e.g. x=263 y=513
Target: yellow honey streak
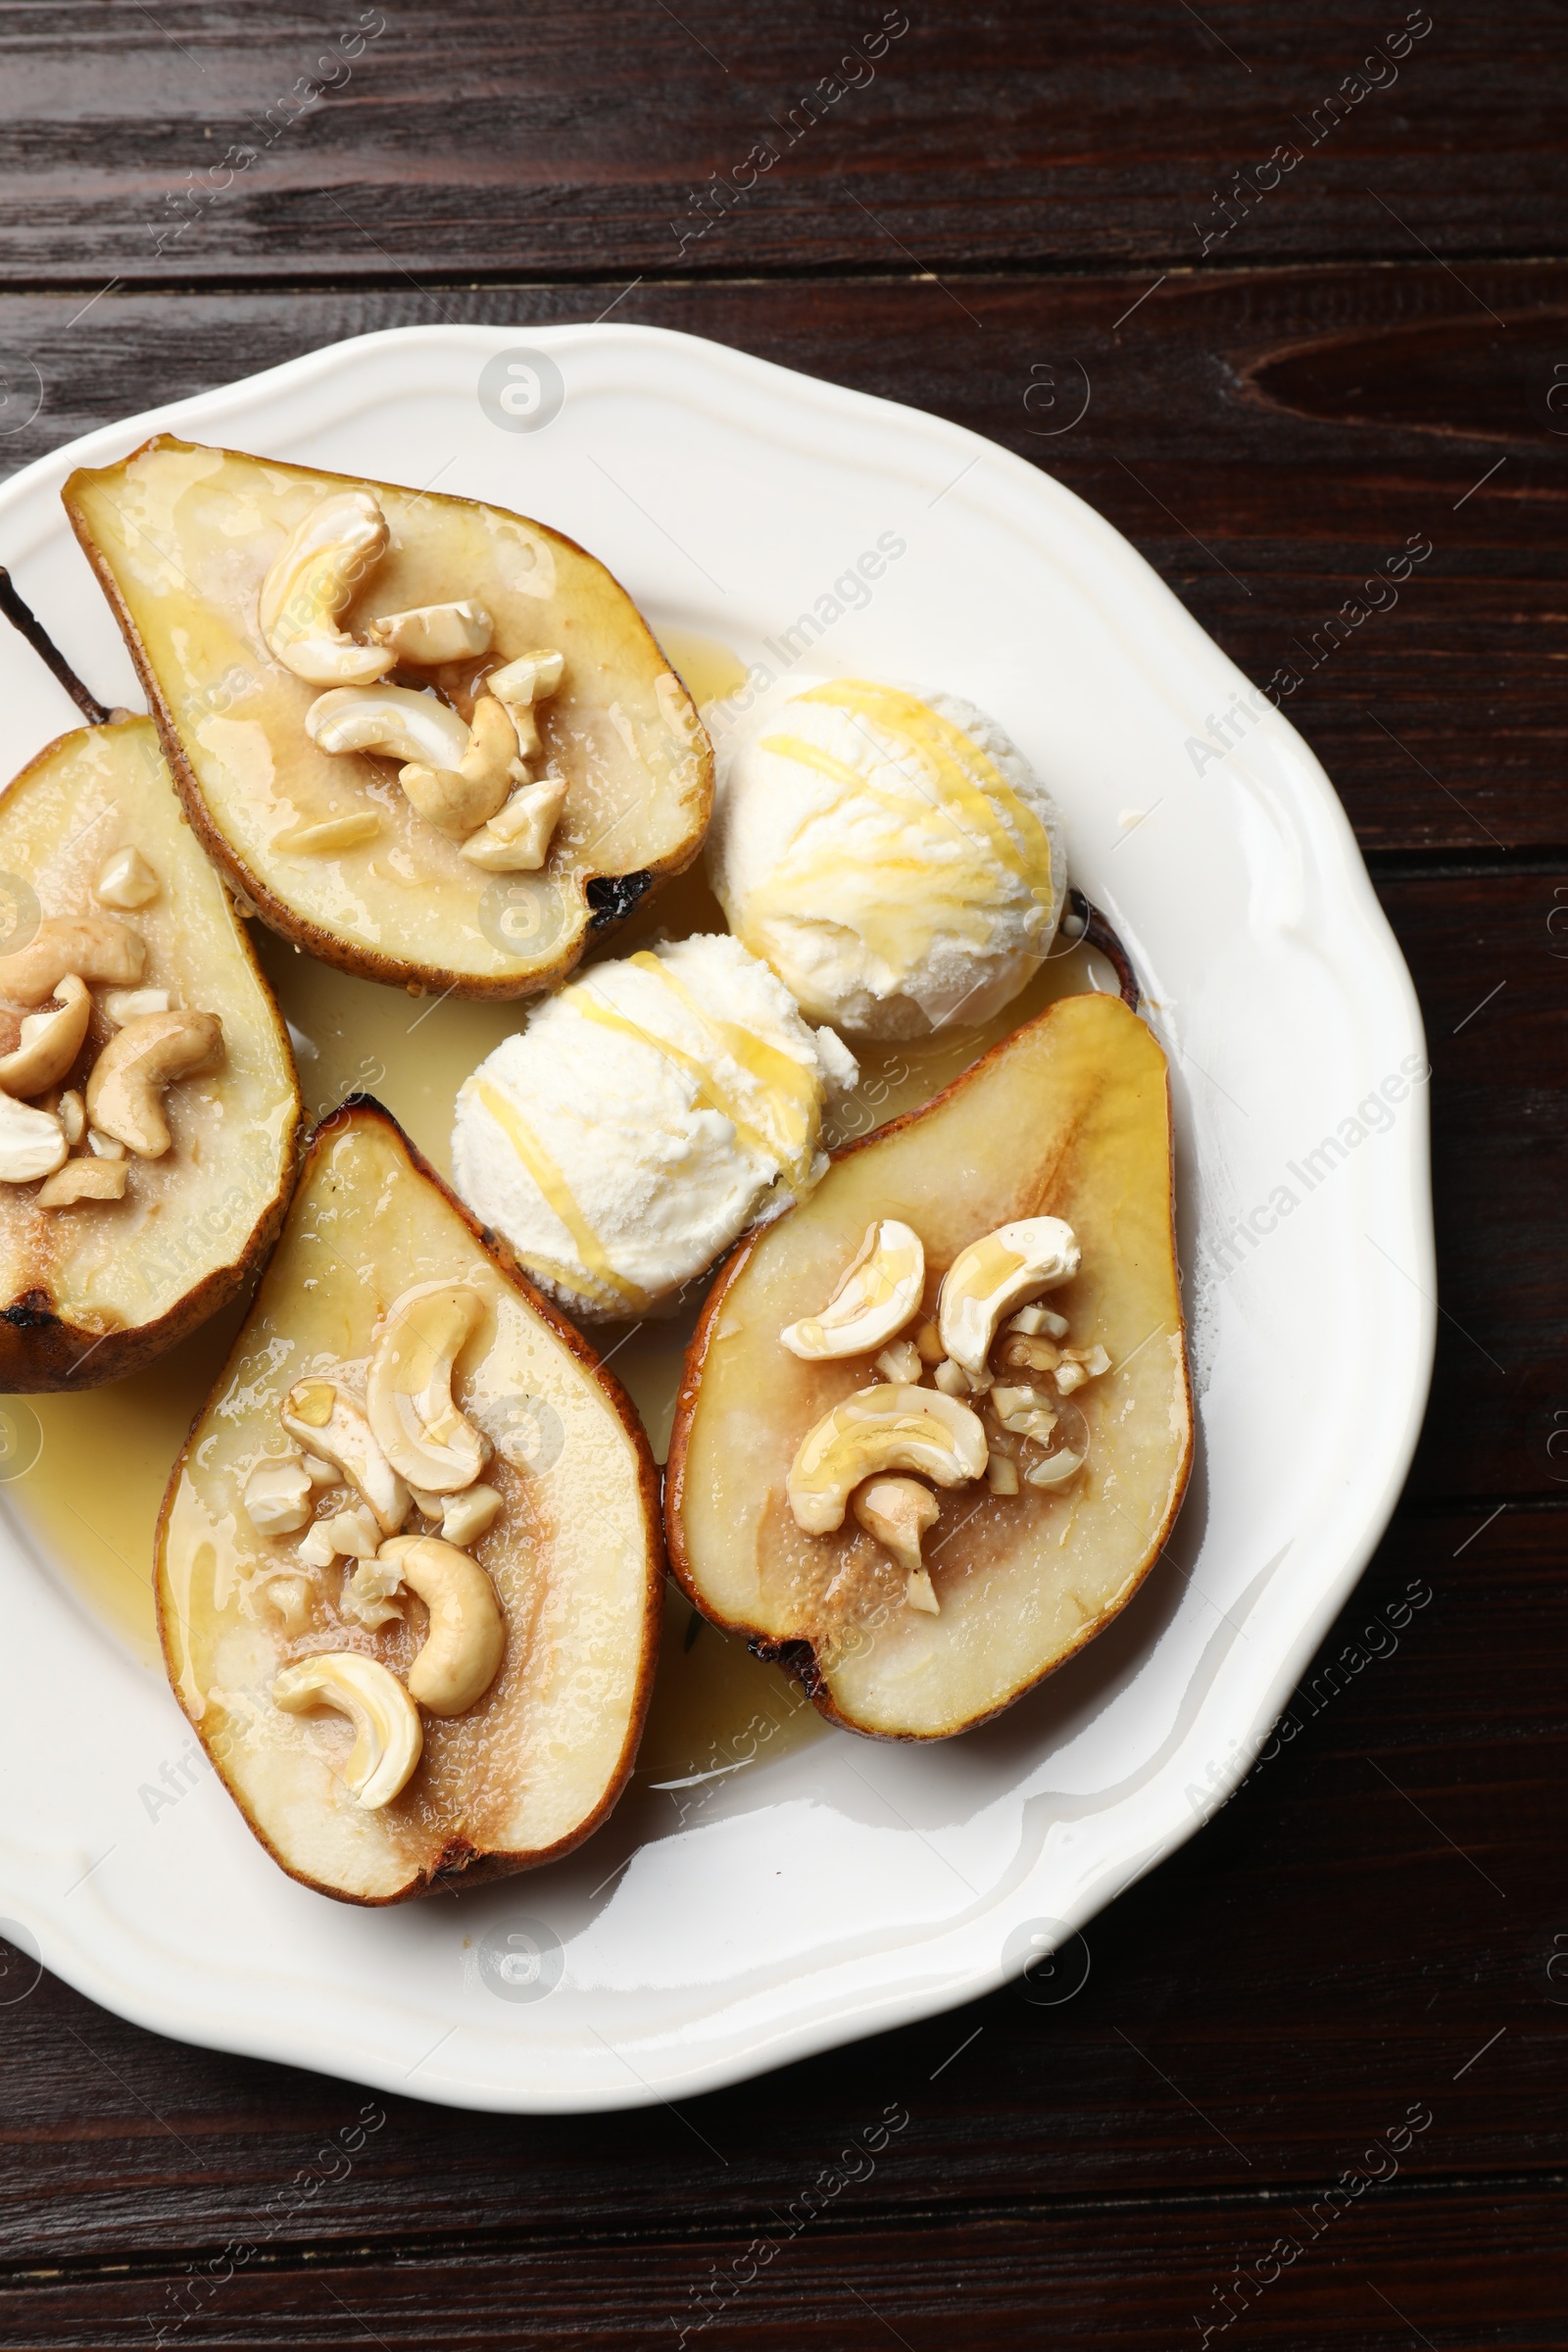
x=788 y=1089
x=956 y=769
x=558 y=1194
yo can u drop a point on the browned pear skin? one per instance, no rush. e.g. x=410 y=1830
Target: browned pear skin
x=371 y=1218
x=181 y=538
x=1068 y=1117
x=96 y=1291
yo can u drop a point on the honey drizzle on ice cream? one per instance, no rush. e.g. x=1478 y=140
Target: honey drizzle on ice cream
x=601 y=1274
x=952 y=793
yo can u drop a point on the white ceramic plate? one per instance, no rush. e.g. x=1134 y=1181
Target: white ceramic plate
x=850 y=1885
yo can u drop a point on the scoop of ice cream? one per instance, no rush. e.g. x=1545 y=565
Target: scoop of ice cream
x=893 y=858
x=642 y=1120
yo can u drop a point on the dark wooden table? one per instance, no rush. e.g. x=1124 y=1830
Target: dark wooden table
x=1309 y=257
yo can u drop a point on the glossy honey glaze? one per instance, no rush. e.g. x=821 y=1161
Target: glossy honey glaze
x=97 y=1463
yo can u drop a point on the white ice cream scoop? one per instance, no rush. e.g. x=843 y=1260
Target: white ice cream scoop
x=642 y=1120
x=892 y=857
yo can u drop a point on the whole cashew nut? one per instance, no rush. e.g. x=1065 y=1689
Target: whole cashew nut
x=50 y=1042
x=313 y=582
x=390 y=1737
x=462 y=1654
x=124 y=1093
x=94 y=946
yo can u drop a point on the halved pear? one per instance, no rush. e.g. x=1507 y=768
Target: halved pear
x=521 y=1774
x=97 y=1288
x=328 y=846
x=1069 y=1117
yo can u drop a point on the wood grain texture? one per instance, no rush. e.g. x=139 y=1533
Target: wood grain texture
x=1375 y=1919
x=1438 y=716
x=569 y=139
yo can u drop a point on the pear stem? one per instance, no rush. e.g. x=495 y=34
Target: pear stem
x=26 y=622
x=1099 y=934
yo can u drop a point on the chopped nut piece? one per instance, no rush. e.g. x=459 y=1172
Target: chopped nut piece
x=928 y=1344
x=900 y=1362
x=329 y=1421
x=1094 y=1359
x=103 y=1146
x=389 y=1737
x=516 y=840
x=329 y=834
x=83 y=1179
x=950 y=1378
x=369 y=1595
x=123 y=1004
x=1055 y=1470
x=466 y=1517
x=896 y=1514
x=920 y=1593
x=126 y=880
x=353 y=1534
x=1032 y=1320
x=1070 y=1377
x=532 y=678
x=1031 y=1356
x=290 y=1597
x=1001 y=1475
x=73 y=1116
x=431 y=633
x=32 y=1143
x=875 y=1295
x=278 y=1495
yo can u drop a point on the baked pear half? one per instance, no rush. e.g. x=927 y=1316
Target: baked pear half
x=432 y=742
x=148 y=1100
x=408 y=1564
x=934 y=1424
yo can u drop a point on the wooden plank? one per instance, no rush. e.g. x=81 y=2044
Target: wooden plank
x=1479 y=2268
x=187 y=142
x=1438 y=715
x=1377 y=1918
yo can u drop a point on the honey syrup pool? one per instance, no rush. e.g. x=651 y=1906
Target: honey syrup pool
x=84 y=1474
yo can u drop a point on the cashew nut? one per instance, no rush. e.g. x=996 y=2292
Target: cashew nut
x=884 y=1428
x=1001 y=1474
x=467 y=1516
x=397 y=721
x=73 y=1116
x=313 y=582
x=327 y=1422
x=388 y=1735
x=367 y=1595
x=1055 y=1470
x=462 y=1654
x=353 y=1534
x=408 y=1394
x=123 y=1004
x=516 y=840
x=522 y=684
x=431 y=633
x=1032 y=1320
x=331 y=834
x=103 y=1146
x=127 y=880
x=1028 y=1412
x=92 y=945
x=901 y=1363
x=50 y=1042
x=1002 y=1270
x=896 y=1514
x=467 y=792
x=83 y=1179
x=877 y=1292
x=32 y=1142
x=290 y=1597
x=278 y=1495
x=124 y=1092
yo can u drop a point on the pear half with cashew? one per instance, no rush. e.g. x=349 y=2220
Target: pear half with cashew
x=432 y=742
x=409 y=1566
x=148 y=1100
x=925 y=1527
